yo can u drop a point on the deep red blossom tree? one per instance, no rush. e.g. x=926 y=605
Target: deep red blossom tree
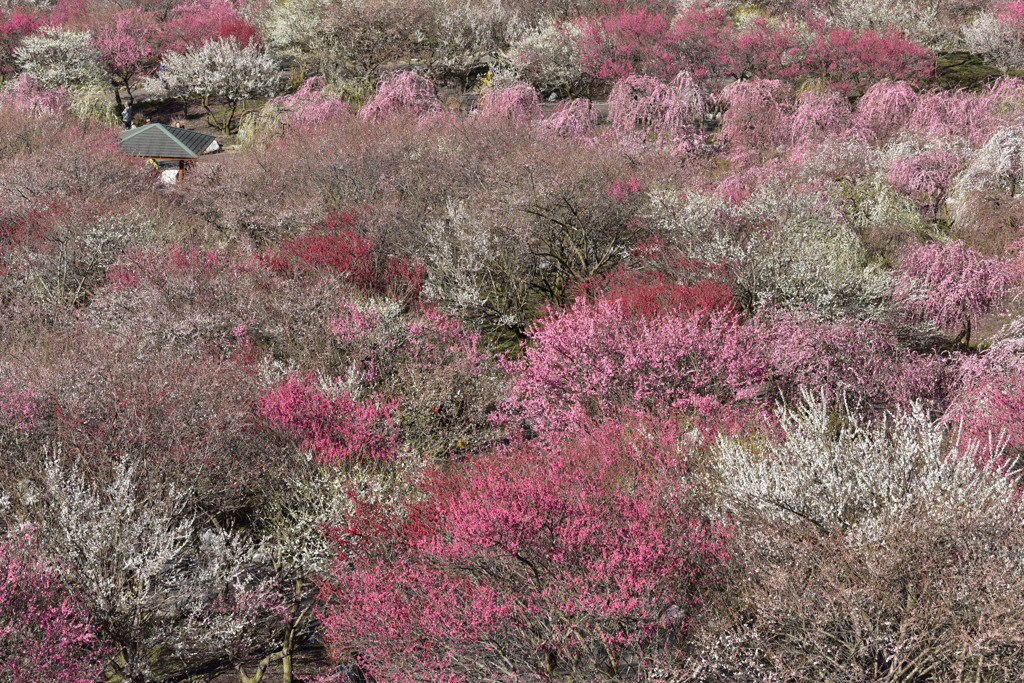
x=194 y=22
x=14 y=26
x=853 y=60
x=340 y=245
x=579 y=561
x=628 y=40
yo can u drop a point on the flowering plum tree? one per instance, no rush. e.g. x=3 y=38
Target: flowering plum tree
x=950 y=285
x=885 y=107
x=756 y=115
x=194 y=22
x=641 y=106
x=222 y=69
x=999 y=34
x=404 y=93
x=517 y=103
x=45 y=631
x=574 y=119
x=927 y=176
x=881 y=500
x=590 y=359
x=127 y=50
x=642 y=41
x=60 y=58
x=329 y=422
x=311 y=106
x=580 y=561
x=14 y=26
x=26 y=93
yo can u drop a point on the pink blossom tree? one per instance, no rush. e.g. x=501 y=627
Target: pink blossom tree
x=403 y=93
x=127 y=50
x=927 y=176
x=310 y=106
x=820 y=116
x=950 y=285
x=987 y=404
x=591 y=359
x=14 y=26
x=27 y=94
x=885 y=108
x=336 y=427
x=757 y=114
x=575 y=119
x=579 y=561
x=517 y=103
x=45 y=632
x=642 y=107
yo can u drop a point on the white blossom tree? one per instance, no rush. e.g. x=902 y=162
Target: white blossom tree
x=224 y=70
x=998 y=36
x=59 y=58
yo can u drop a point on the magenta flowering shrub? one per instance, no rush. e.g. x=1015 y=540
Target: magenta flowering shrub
x=328 y=421
x=194 y=22
x=45 y=632
x=580 y=560
x=950 y=285
x=127 y=48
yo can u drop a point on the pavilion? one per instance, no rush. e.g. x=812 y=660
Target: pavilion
x=158 y=142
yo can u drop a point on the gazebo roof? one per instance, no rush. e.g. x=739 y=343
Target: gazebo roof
x=157 y=141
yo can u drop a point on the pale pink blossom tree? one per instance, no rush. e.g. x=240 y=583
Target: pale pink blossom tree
x=403 y=93
x=517 y=103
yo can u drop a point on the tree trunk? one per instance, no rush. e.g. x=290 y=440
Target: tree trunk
x=287 y=676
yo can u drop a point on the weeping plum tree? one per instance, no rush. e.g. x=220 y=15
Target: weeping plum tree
x=950 y=285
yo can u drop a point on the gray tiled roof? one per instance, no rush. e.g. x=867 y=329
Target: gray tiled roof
x=157 y=141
